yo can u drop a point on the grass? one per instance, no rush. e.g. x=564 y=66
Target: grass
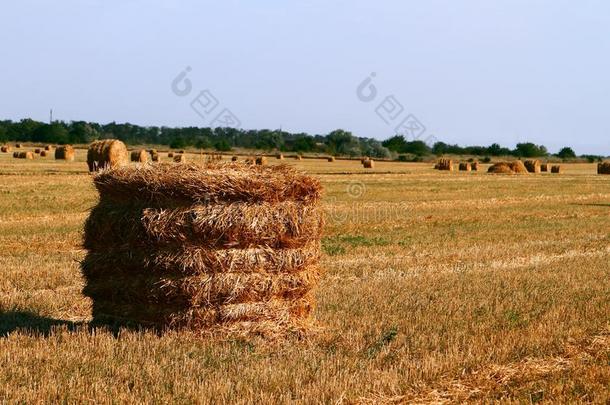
x=439 y=287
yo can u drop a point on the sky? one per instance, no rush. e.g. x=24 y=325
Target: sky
x=467 y=72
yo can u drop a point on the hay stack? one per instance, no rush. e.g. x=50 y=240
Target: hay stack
x=179 y=158
x=18 y=146
x=444 y=164
x=533 y=166
x=475 y=166
x=369 y=164
x=15 y=154
x=557 y=169
x=170 y=154
x=298 y=157
x=216 y=249
x=331 y=159
x=156 y=157
x=500 y=168
x=5 y=148
x=43 y=153
x=518 y=167
x=37 y=151
x=25 y=155
x=465 y=167
x=140 y=156
x=65 y=152
x=233 y=158
x=48 y=148
x=261 y=161
x=603 y=168
x=545 y=167
x=105 y=154
x=279 y=156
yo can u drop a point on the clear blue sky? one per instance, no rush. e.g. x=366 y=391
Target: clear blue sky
x=473 y=72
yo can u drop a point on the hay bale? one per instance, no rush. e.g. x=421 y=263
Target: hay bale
x=25 y=155
x=37 y=151
x=105 y=154
x=369 y=164
x=156 y=157
x=48 y=148
x=533 y=166
x=331 y=159
x=261 y=161
x=5 y=148
x=170 y=154
x=444 y=164
x=603 y=167
x=219 y=248
x=65 y=152
x=518 y=167
x=298 y=157
x=18 y=146
x=179 y=158
x=464 y=167
x=43 y=153
x=140 y=156
x=233 y=158
x=545 y=167
x=279 y=156
x=557 y=169
x=500 y=168
x=15 y=154
x=475 y=166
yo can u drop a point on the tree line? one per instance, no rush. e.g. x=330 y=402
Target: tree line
x=337 y=142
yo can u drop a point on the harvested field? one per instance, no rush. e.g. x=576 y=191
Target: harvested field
x=433 y=291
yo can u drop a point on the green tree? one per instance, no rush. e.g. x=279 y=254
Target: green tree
x=566 y=153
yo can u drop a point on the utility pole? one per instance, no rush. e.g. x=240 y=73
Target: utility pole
x=51 y=117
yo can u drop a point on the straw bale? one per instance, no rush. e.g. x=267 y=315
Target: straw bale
x=261 y=161
x=180 y=158
x=139 y=156
x=465 y=167
x=603 y=168
x=65 y=152
x=369 y=164
x=5 y=148
x=533 y=166
x=557 y=169
x=106 y=154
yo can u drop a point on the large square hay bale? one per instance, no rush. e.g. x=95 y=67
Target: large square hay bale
x=216 y=248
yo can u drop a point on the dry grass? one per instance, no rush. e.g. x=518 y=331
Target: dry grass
x=433 y=291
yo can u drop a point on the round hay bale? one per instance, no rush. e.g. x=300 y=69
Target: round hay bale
x=218 y=248
x=179 y=158
x=5 y=148
x=331 y=159
x=500 y=168
x=369 y=164
x=18 y=146
x=140 y=156
x=156 y=157
x=43 y=153
x=279 y=156
x=557 y=169
x=170 y=154
x=545 y=167
x=15 y=154
x=37 y=151
x=25 y=155
x=65 y=152
x=298 y=157
x=475 y=166
x=533 y=166
x=182 y=152
x=261 y=160
x=518 y=167
x=234 y=158
x=464 y=167
x=106 y=153
x=48 y=148
x=603 y=167
x=444 y=164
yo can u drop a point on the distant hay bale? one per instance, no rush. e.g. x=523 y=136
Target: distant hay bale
x=48 y=148
x=500 y=168
x=106 y=153
x=331 y=159
x=444 y=164
x=557 y=169
x=369 y=164
x=18 y=145
x=156 y=157
x=298 y=157
x=250 y=160
x=179 y=158
x=170 y=154
x=182 y=152
x=43 y=153
x=15 y=154
x=140 y=156
x=475 y=166
x=279 y=156
x=465 y=167
x=234 y=158
x=261 y=161
x=216 y=249
x=533 y=166
x=603 y=167
x=65 y=152
x=545 y=167
x=518 y=167
x=5 y=148
x=25 y=155
x=37 y=151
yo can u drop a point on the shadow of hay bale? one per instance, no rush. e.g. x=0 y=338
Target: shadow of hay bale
x=13 y=321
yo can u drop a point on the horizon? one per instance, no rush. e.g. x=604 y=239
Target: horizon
x=467 y=74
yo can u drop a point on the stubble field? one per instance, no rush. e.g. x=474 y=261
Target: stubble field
x=438 y=287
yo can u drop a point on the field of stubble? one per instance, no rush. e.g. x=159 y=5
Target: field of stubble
x=439 y=287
